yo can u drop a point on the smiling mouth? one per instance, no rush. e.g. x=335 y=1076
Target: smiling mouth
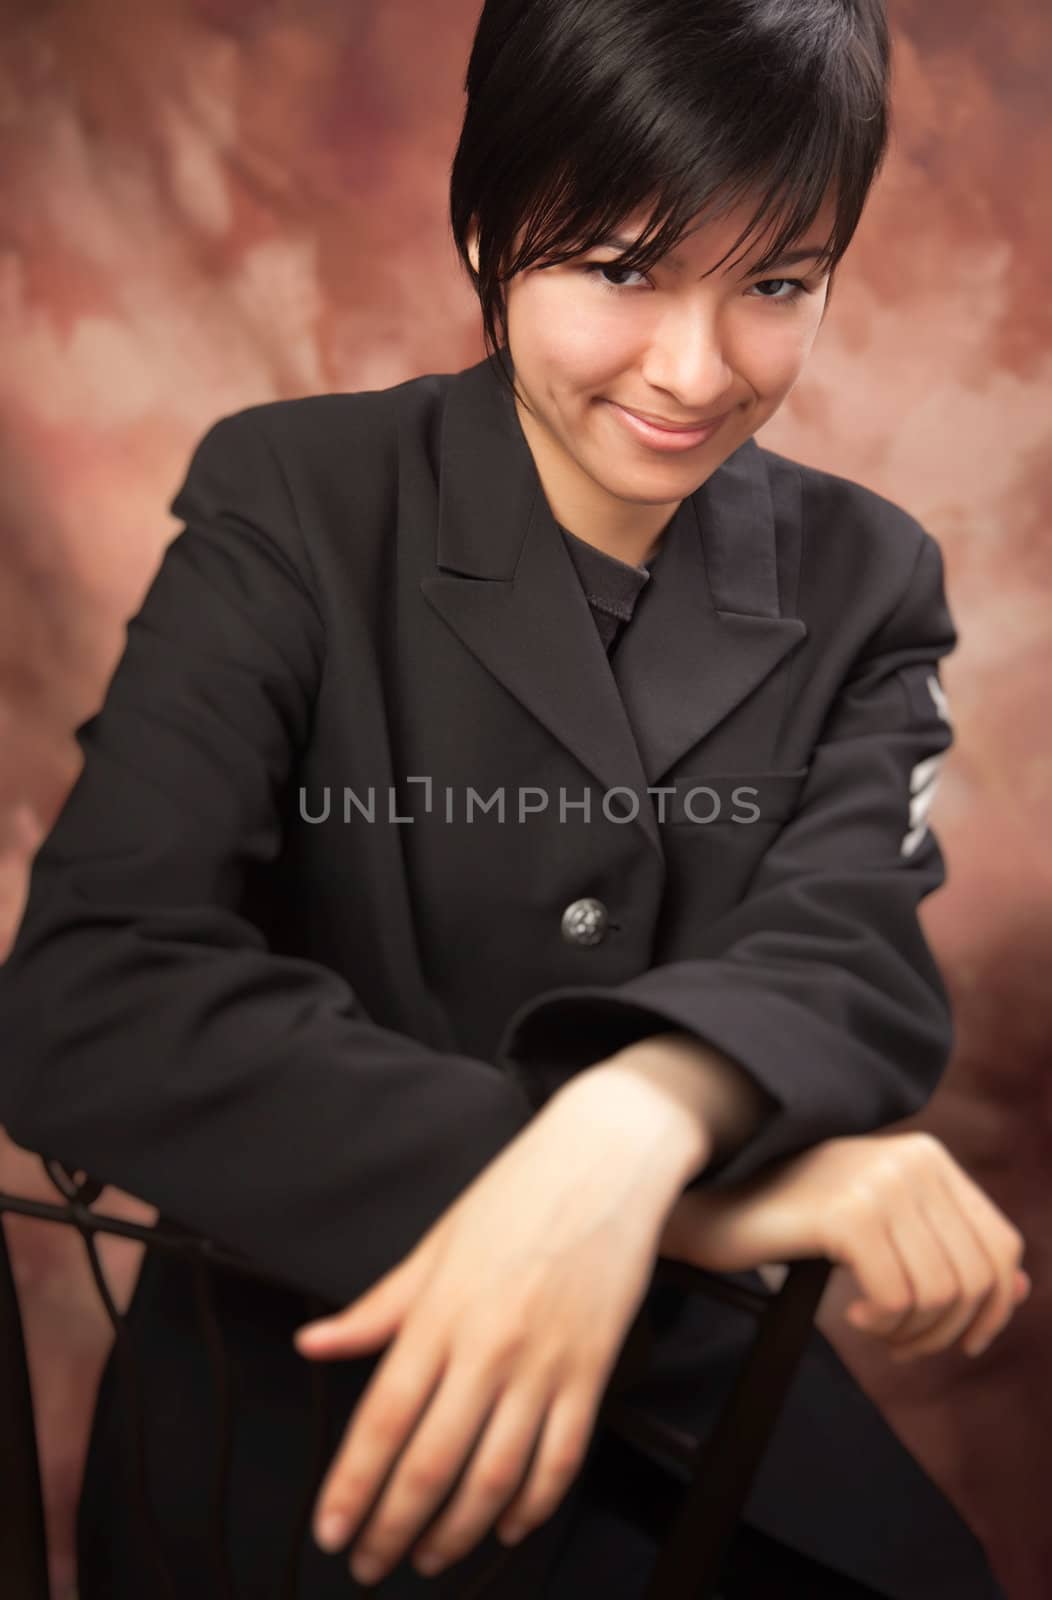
x=675 y=427
x=665 y=438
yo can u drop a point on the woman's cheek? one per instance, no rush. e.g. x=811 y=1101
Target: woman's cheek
x=580 y=341
x=773 y=358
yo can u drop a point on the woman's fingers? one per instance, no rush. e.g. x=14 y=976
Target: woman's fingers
x=931 y=1270
x=972 y=1278
x=492 y=1477
x=385 y=1415
x=1004 y=1245
x=994 y=1315
x=959 y=1253
x=465 y=1407
x=861 y=1242
x=560 y=1454
x=427 y=1469
x=877 y=1228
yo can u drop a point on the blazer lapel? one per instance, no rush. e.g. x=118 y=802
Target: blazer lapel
x=708 y=627
x=507 y=587
x=504 y=582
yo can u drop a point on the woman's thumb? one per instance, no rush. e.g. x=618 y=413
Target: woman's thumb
x=370 y=1320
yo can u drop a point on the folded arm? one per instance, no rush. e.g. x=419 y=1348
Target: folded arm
x=819 y=985
x=151 y=1037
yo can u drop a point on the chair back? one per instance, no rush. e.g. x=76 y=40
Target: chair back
x=710 y=1478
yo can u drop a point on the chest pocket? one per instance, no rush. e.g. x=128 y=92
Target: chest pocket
x=741 y=802
x=717 y=829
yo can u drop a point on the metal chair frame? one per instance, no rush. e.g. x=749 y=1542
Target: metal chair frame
x=719 y=1470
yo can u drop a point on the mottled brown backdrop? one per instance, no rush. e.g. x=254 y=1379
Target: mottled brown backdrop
x=209 y=203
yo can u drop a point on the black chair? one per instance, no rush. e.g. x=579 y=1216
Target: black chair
x=712 y=1479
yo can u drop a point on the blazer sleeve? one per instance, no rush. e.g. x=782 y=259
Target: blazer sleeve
x=151 y=1037
x=820 y=982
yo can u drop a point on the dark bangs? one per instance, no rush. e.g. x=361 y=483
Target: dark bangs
x=583 y=112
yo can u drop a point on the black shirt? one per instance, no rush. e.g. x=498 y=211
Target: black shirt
x=611 y=587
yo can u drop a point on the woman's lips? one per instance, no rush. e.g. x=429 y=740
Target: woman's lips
x=666 y=438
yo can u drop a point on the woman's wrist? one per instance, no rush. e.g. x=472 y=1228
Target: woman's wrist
x=702 y=1104
x=726 y=1103
x=623 y=1104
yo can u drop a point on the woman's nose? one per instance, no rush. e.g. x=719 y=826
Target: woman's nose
x=687 y=360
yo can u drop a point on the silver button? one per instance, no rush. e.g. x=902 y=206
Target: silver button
x=585 y=921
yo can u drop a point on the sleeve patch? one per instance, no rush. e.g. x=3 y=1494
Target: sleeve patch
x=924 y=781
x=938 y=694
x=928 y=700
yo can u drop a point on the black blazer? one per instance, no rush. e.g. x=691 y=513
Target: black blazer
x=302 y=1030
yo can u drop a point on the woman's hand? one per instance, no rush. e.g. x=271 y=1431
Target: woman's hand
x=935 y=1258
x=508 y=1318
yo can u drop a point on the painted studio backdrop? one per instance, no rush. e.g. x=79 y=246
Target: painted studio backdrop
x=209 y=203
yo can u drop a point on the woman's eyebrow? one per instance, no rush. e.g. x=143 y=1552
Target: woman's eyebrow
x=804 y=252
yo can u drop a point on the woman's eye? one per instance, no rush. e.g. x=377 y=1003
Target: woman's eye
x=786 y=291
x=796 y=288
x=596 y=269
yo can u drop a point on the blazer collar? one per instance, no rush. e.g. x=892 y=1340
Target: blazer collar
x=707 y=629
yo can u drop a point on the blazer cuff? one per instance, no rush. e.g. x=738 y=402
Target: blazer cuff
x=821 y=1081
x=548 y=1040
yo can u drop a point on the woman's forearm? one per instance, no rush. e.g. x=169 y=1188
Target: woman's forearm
x=686 y=1100
x=704 y=1105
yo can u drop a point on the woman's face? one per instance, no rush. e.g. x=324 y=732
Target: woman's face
x=675 y=345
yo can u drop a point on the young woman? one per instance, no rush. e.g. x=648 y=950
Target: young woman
x=497 y=860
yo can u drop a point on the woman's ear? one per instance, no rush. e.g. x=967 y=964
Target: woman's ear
x=473 y=245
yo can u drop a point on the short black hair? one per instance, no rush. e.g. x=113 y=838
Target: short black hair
x=581 y=112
